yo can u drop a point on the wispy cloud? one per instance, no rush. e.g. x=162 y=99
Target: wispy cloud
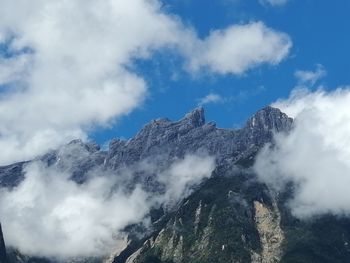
x=274 y=2
x=211 y=98
x=214 y=98
x=309 y=77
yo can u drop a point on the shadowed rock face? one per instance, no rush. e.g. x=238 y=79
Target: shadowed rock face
x=2 y=248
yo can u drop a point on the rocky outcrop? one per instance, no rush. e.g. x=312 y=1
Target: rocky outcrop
x=2 y=248
x=267 y=220
x=269 y=119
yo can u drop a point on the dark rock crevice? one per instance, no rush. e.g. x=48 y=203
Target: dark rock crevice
x=3 y=258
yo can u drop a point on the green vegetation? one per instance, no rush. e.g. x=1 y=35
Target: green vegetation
x=225 y=231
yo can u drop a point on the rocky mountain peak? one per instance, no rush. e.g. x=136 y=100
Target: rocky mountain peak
x=88 y=146
x=196 y=117
x=270 y=119
x=193 y=119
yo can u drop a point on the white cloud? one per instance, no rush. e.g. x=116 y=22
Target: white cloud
x=314 y=155
x=273 y=2
x=310 y=78
x=239 y=48
x=210 y=98
x=50 y=215
x=72 y=64
x=213 y=98
x=184 y=174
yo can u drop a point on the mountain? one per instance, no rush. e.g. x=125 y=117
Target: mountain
x=230 y=217
x=164 y=138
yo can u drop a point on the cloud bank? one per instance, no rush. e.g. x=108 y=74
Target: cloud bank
x=314 y=155
x=50 y=215
x=68 y=64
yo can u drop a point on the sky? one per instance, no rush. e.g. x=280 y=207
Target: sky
x=100 y=70
x=320 y=35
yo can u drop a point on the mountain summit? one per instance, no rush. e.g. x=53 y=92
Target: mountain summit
x=269 y=119
x=196 y=117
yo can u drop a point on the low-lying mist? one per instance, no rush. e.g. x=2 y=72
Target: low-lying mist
x=50 y=215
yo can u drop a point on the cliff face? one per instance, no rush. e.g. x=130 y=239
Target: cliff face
x=233 y=218
x=219 y=223
x=2 y=248
x=267 y=221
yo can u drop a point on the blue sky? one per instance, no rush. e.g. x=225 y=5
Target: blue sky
x=320 y=34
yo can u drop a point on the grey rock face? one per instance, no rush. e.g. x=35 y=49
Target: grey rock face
x=191 y=134
x=163 y=138
x=266 y=121
x=11 y=175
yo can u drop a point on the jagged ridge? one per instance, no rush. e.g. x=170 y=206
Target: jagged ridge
x=164 y=138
